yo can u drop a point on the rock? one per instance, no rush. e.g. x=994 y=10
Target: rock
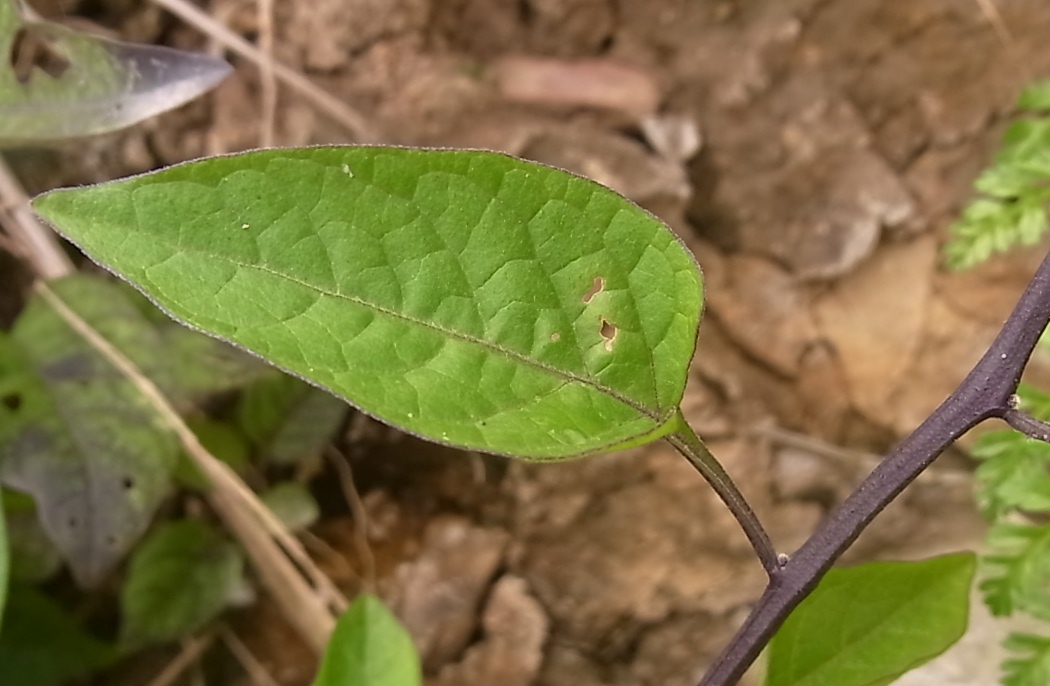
x=613 y=160
x=951 y=344
x=328 y=32
x=942 y=178
x=590 y=576
x=815 y=200
x=599 y=83
x=801 y=475
x=569 y=27
x=823 y=393
x=677 y=652
x=875 y=319
x=511 y=650
x=413 y=94
x=438 y=594
x=988 y=291
x=674 y=136
x=764 y=311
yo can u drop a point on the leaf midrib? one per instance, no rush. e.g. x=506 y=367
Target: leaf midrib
x=658 y=415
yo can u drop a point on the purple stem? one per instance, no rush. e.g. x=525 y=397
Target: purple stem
x=986 y=392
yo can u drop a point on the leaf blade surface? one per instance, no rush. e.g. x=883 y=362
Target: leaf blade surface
x=867 y=625
x=472 y=298
x=369 y=648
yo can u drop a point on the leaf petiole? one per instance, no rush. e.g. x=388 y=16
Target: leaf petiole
x=686 y=442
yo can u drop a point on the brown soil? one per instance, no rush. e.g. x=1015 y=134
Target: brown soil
x=839 y=138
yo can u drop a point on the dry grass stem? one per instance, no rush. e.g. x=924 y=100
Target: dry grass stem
x=995 y=18
x=248 y=662
x=37 y=243
x=192 y=650
x=361 y=130
x=308 y=606
x=359 y=513
x=267 y=80
x=304 y=607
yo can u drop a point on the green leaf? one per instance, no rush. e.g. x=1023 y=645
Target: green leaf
x=293 y=504
x=1036 y=96
x=369 y=648
x=79 y=436
x=220 y=439
x=1013 y=209
x=867 y=625
x=186 y=365
x=1018 y=569
x=40 y=645
x=1014 y=473
x=472 y=298
x=288 y=420
x=181 y=577
x=57 y=83
x=1034 y=401
x=1031 y=665
x=33 y=557
x=5 y=559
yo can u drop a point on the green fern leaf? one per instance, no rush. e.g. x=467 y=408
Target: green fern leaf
x=1018 y=570
x=1014 y=192
x=1014 y=474
x=1031 y=666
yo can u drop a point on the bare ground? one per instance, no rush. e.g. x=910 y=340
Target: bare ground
x=837 y=141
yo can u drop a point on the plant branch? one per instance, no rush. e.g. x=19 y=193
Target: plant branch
x=1027 y=424
x=686 y=442
x=986 y=392
x=38 y=243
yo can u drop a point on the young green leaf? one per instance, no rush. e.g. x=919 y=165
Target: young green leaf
x=79 y=436
x=1012 y=210
x=181 y=577
x=293 y=504
x=369 y=648
x=867 y=625
x=40 y=645
x=186 y=365
x=32 y=555
x=5 y=559
x=75 y=433
x=288 y=420
x=57 y=83
x=470 y=297
x=1036 y=96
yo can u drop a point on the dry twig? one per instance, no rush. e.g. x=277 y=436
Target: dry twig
x=360 y=515
x=192 y=650
x=249 y=663
x=37 y=243
x=355 y=123
x=308 y=606
x=995 y=18
x=267 y=80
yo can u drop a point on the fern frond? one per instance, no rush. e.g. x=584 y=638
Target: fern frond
x=1034 y=401
x=1017 y=576
x=1014 y=473
x=1031 y=665
x=1015 y=191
